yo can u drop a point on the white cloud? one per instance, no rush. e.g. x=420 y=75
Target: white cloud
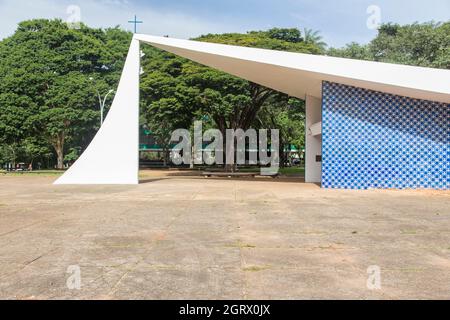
x=105 y=13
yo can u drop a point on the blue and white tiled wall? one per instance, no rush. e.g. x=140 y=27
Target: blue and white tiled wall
x=378 y=140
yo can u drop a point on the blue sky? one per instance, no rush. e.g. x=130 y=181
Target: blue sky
x=340 y=21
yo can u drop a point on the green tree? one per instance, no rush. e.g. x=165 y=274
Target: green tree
x=288 y=116
x=167 y=102
x=178 y=91
x=35 y=149
x=273 y=39
x=426 y=45
x=314 y=38
x=45 y=91
x=289 y=35
x=8 y=153
x=351 y=51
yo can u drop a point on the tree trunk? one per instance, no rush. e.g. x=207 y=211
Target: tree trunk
x=59 y=148
x=165 y=156
x=14 y=158
x=283 y=158
x=191 y=165
x=243 y=118
x=60 y=159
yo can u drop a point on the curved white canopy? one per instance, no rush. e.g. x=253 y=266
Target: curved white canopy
x=113 y=155
x=302 y=74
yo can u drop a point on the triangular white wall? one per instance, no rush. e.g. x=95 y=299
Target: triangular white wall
x=113 y=155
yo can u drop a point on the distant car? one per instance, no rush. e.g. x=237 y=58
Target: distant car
x=21 y=167
x=296 y=162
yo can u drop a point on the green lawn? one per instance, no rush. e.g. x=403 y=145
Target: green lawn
x=292 y=171
x=33 y=173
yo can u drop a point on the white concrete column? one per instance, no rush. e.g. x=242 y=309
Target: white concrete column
x=313 y=139
x=113 y=155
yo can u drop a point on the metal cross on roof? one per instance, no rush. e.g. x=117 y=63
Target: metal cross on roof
x=135 y=22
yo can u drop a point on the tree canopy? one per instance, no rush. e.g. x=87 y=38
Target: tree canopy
x=426 y=45
x=177 y=91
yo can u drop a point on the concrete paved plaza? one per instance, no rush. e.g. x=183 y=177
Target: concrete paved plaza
x=194 y=238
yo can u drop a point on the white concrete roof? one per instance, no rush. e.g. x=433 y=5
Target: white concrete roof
x=302 y=74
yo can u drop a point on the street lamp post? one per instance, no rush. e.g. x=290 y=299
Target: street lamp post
x=102 y=102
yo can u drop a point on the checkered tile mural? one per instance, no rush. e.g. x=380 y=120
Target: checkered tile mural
x=378 y=140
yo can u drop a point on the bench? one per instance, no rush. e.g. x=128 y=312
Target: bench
x=234 y=174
